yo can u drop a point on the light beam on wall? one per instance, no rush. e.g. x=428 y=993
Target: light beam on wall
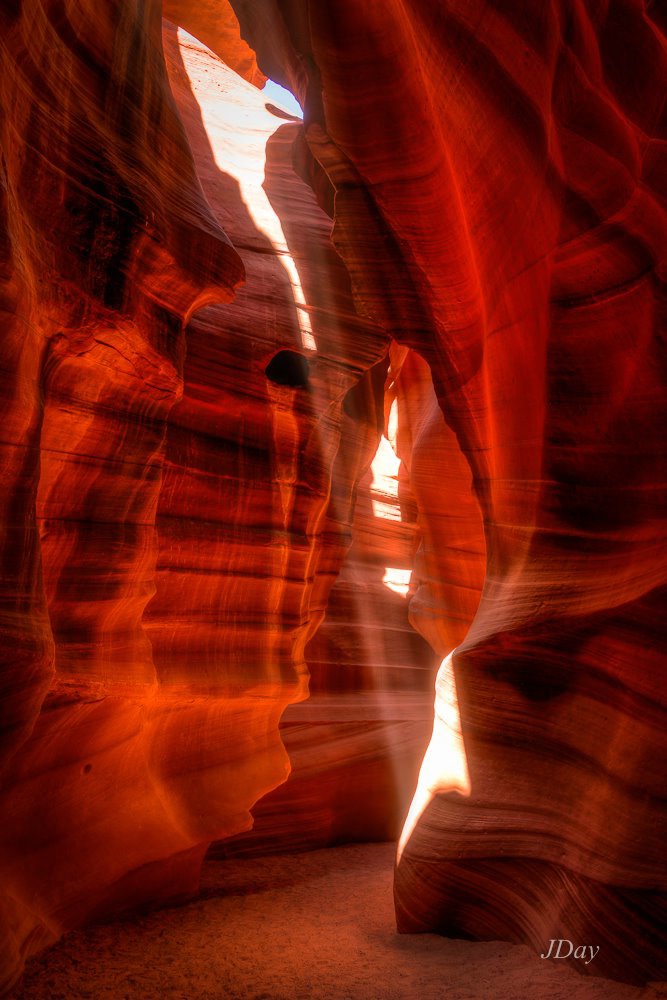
x=245 y=162
x=445 y=765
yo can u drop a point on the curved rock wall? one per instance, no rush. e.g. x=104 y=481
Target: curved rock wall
x=179 y=483
x=356 y=744
x=106 y=249
x=93 y=231
x=172 y=528
x=500 y=203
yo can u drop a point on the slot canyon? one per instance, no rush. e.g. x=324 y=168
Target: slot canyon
x=333 y=465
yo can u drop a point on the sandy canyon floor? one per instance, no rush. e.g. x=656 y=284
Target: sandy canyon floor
x=318 y=925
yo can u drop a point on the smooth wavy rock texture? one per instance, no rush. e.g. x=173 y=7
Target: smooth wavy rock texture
x=173 y=532
x=212 y=316
x=500 y=203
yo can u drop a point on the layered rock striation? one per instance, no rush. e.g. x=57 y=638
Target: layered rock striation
x=500 y=203
x=171 y=528
x=181 y=469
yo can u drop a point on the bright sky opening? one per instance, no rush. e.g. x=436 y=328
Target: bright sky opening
x=275 y=94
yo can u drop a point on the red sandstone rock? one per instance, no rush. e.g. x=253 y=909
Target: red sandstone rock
x=214 y=23
x=496 y=177
x=153 y=727
x=500 y=206
x=108 y=245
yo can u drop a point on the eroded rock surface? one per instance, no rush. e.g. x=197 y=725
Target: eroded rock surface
x=500 y=202
x=180 y=475
x=173 y=533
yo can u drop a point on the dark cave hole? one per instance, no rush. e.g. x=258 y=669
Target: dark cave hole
x=288 y=368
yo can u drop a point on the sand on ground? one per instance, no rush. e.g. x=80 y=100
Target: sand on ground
x=312 y=926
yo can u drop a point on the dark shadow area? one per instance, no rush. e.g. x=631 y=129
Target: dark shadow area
x=288 y=368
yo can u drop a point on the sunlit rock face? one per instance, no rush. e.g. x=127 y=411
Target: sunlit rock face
x=180 y=469
x=214 y=23
x=172 y=528
x=247 y=559
x=355 y=746
x=500 y=183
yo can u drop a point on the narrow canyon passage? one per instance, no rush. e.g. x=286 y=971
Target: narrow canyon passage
x=332 y=536
x=355 y=744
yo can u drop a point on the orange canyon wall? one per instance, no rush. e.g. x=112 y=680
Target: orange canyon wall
x=500 y=175
x=179 y=486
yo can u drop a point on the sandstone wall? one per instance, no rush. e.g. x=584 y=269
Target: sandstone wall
x=171 y=532
x=180 y=470
x=500 y=203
